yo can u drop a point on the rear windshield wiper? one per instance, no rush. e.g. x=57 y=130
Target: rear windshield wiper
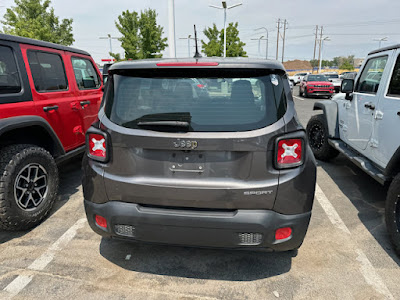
x=164 y=123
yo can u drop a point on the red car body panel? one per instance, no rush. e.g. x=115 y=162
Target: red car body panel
x=316 y=87
x=71 y=120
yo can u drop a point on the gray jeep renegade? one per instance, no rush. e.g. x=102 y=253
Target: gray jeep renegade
x=199 y=152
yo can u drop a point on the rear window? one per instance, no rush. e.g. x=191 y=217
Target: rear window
x=209 y=100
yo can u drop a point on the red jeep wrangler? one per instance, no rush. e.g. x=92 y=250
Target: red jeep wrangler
x=49 y=96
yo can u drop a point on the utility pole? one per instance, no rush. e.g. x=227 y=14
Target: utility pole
x=188 y=38
x=316 y=38
x=277 y=39
x=320 y=42
x=284 y=36
x=109 y=37
x=171 y=29
x=315 y=44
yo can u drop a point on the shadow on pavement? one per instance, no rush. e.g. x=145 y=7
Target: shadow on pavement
x=70 y=180
x=196 y=263
x=367 y=196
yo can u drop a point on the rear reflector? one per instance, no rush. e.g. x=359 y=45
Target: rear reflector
x=187 y=64
x=283 y=233
x=290 y=153
x=101 y=221
x=250 y=238
x=125 y=230
x=97 y=146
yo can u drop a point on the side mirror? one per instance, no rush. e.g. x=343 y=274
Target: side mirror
x=348 y=88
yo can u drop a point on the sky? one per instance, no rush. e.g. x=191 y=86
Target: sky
x=350 y=25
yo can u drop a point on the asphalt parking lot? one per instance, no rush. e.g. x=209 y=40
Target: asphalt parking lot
x=346 y=253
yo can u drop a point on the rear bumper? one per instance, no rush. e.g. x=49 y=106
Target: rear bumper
x=199 y=228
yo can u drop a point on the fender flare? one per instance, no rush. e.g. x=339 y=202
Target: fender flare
x=12 y=123
x=330 y=111
x=393 y=166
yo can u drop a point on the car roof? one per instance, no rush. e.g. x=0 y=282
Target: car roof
x=24 y=40
x=236 y=62
x=385 y=49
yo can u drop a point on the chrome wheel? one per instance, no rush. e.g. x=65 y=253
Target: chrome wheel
x=31 y=186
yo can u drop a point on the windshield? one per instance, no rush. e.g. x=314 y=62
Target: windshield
x=223 y=103
x=317 y=78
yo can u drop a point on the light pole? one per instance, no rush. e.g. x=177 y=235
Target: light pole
x=108 y=37
x=384 y=39
x=259 y=42
x=188 y=38
x=171 y=28
x=266 y=50
x=322 y=49
x=225 y=7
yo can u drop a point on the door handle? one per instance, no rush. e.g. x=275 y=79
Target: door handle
x=370 y=106
x=85 y=103
x=50 y=108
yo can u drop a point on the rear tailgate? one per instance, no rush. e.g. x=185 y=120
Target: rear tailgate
x=230 y=172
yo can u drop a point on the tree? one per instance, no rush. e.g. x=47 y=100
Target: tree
x=214 y=47
x=215 y=44
x=152 y=42
x=234 y=46
x=36 y=19
x=128 y=26
x=346 y=66
x=141 y=36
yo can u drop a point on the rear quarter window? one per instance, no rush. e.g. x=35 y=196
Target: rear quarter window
x=213 y=100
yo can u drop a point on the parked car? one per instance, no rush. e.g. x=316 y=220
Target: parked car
x=336 y=81
x=297 y=78
x=291 y=84
x=219 y=172
x=362 y=123
x=316 y=85
x=49 y=97
x=349 y=75
x=106 y=66
x=341 y=76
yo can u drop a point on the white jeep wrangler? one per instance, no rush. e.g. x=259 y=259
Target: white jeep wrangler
x=363 y=123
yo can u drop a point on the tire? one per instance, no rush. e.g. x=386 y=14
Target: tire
x=392 y=213
x=28 y=186
x=317 y=134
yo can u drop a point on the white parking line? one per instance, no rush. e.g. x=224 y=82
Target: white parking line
x=298 y=98
x=19 y=283
x=367 y=269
